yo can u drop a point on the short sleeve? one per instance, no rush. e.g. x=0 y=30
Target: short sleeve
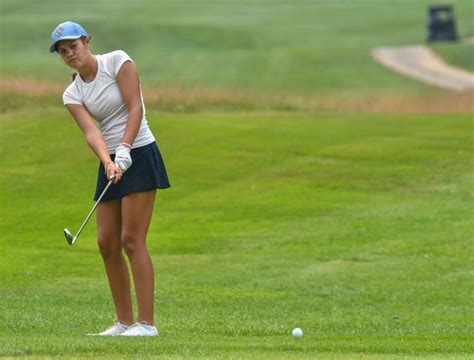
x=72 y=96
x=119 y=58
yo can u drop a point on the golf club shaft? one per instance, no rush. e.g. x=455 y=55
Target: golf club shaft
x=93 y=209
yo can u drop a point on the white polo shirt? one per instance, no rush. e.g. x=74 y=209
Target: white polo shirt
x=103 y=100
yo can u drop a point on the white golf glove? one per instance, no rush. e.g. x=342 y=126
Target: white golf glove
x=122 y=157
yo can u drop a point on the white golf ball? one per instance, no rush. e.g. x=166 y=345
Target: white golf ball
x=297 y=332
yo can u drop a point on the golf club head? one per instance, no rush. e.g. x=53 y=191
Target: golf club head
x=69 y=238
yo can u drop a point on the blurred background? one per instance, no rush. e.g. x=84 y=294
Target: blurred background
x=243 y=54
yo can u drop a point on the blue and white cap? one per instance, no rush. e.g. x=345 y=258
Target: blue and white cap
x=66 y=31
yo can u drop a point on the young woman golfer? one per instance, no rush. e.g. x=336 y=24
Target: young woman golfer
x=106 y=102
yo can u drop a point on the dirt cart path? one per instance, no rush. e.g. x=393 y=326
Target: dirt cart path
x=421 y=63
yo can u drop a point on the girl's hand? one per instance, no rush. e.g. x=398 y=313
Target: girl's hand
x=122 y=156
x=112 y=170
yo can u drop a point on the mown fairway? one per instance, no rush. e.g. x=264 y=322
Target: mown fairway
x=356 y=228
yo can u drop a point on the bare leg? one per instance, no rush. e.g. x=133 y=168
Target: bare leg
x=109 y=232
x=137 y=210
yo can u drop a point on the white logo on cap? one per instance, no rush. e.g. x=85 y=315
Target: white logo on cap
x=59 y=31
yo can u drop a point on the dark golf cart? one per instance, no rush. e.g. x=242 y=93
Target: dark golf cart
x=441 y=23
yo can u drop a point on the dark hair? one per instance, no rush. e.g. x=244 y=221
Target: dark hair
x=73 y=75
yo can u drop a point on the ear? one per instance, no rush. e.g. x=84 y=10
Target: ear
x=86 y=41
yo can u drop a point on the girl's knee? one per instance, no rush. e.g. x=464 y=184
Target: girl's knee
x=109 y=247
x=132 y=244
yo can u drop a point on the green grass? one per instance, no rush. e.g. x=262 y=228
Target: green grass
x=356 y=228
x=461 y=55
x=303 y=47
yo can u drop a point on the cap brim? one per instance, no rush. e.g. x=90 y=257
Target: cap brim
x=52 y=48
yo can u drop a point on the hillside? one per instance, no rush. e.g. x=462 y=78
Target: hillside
x=306 y=48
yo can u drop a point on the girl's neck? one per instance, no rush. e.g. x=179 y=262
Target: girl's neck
x=89 y=71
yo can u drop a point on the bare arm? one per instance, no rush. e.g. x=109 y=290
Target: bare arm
x=129 y=85
x=94 y=138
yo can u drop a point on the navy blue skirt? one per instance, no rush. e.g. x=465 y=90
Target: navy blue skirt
x=146 y=173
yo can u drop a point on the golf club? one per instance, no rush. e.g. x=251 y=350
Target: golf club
x=69 y=238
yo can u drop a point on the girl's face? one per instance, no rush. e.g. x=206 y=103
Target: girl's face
x=73 y=52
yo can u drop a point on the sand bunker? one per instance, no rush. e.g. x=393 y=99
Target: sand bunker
x=422 y=64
